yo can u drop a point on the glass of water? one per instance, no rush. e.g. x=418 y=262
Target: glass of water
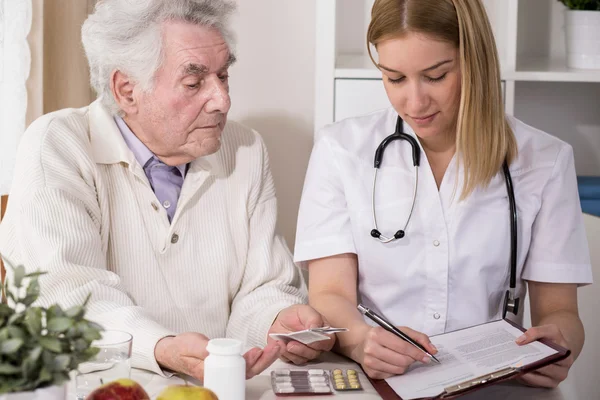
x=111 y=363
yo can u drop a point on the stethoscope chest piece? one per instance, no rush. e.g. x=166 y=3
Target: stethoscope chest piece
x=511 y=304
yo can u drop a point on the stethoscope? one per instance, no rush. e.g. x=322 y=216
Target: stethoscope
x=511 y=303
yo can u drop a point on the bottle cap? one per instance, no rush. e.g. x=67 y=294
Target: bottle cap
x=224 y=347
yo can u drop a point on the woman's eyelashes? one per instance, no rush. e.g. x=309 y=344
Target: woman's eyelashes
x=427 y=78
x=438 y=79
x=395 y=81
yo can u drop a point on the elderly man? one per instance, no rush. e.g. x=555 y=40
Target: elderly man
x=152 y=202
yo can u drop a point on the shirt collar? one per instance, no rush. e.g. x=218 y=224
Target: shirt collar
x=140 y=151
x=108 y=146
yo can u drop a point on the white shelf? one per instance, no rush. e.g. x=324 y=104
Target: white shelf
x=545 y=70
x=355 y=66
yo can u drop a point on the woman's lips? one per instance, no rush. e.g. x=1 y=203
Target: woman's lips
x=426 y=119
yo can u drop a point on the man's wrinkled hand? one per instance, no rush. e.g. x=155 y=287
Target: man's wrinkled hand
x=298 y=318
x=185 y=353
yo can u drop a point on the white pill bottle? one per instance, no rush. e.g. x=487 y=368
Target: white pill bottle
x=225 y=369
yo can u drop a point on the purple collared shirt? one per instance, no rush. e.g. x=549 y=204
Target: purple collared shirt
x=166 y=181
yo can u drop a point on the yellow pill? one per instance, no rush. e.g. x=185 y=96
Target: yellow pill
x=351 y=372
x=341 y=386
x=355 y=386
x=352 y=380
x=337 y=371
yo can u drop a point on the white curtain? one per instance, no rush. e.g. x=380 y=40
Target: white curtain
x=15 y=64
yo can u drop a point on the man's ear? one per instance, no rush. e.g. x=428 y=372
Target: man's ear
x=122 y=89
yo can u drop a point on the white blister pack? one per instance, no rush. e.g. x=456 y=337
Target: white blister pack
x=307 y=336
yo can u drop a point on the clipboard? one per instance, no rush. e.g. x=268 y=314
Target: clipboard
x=480 y=382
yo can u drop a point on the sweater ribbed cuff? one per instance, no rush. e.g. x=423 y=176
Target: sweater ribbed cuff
x=258 y=331
x=145 y=338
x=146 y=334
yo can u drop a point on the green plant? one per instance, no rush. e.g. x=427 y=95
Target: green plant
x=40 y=346
x=593 y=5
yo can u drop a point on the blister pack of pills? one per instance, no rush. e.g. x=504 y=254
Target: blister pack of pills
x=345 y=380
x=286 y=382
x=308 y=336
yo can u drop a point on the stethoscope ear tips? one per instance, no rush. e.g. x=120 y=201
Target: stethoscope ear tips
x=375 y=233
x=399 y=234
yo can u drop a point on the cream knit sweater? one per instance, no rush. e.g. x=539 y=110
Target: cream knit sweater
x=82 y=209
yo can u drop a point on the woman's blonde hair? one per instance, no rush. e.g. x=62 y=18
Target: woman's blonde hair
x=484 y=139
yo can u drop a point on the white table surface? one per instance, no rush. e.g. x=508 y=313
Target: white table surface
x=259 y=387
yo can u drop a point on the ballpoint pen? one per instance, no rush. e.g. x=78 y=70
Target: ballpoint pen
x=379 y=320
x=328 y=329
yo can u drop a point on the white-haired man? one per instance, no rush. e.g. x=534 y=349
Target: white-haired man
x=152 y=202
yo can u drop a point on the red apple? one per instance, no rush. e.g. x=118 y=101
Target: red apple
x=121 y=389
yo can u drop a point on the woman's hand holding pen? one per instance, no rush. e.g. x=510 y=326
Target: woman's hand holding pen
x=383 y=354
x=553 y=374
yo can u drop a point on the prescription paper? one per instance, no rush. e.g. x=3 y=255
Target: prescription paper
x=467 y=354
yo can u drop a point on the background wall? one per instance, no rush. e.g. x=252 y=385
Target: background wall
x=272 y=88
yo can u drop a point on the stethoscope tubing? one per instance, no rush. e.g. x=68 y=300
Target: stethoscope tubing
x=375 y=233
x=382 y=238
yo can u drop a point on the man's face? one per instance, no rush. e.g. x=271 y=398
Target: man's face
x=183 y=116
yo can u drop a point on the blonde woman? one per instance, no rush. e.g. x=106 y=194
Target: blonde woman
x=434 y=254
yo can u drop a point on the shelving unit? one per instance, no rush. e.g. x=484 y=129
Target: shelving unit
x=548 y=70
x=538 y=87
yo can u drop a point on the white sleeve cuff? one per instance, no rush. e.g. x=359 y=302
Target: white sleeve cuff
x=580 y=274
x=323 y=247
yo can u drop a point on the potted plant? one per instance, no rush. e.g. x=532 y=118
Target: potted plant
x=40 y=346
x=582 y=28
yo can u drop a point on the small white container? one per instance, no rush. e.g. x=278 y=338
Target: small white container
x=583 y=39
x=225 y=369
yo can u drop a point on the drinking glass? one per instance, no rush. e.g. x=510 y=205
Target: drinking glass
x=111 y=363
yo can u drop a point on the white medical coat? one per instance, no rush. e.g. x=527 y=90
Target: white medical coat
x=452 y=268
